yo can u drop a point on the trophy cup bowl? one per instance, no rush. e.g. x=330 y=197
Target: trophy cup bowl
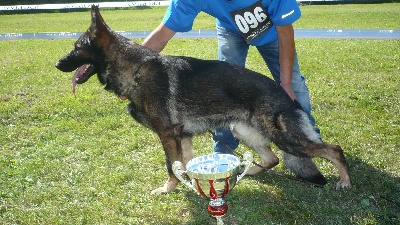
x=213 y=176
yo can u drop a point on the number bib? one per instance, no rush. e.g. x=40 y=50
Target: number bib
x=252 y=21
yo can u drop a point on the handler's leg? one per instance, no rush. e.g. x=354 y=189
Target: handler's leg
x=233 y=49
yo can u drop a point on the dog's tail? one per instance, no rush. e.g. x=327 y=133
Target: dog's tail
x=304 y=168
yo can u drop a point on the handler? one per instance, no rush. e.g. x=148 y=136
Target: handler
x=265 y=24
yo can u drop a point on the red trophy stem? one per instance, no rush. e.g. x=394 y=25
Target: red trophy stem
x=217 y=206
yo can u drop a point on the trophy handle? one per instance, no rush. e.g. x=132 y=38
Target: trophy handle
x=248 y=158
x=177 y=169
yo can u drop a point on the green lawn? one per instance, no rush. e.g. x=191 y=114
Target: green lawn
x=81 y=159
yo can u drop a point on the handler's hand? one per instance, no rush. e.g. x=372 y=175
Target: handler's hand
x=289 y=91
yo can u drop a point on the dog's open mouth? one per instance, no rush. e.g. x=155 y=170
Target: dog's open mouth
x=82 y=74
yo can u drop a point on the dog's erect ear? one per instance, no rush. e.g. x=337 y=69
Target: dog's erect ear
x=99 y=30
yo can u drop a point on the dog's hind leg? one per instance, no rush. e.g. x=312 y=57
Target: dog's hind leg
x=252 y=138
x=334 y=153
x=278 y=126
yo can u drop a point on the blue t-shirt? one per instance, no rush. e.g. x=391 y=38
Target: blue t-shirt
x=180 y=14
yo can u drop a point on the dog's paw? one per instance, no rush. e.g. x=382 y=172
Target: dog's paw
x=343 y=185
x=159 y=191
x=254 y=170
x=169 y=186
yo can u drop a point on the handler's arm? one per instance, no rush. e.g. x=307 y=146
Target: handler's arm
x=159 y=38
x=286 y=57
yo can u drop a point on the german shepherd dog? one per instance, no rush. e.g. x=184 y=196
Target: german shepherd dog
x=178 y=97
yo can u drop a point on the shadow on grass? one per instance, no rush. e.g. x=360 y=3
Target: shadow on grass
x=269 y=199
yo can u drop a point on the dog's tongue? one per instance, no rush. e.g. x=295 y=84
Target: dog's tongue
x=79 y=72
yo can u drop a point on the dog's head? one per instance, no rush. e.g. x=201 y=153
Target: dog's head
x=86 y=57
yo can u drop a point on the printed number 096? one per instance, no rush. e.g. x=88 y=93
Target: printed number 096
x=250 y=20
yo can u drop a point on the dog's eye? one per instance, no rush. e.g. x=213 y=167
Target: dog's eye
x=78 y=45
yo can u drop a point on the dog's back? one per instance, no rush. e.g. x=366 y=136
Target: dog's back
x=217 y=92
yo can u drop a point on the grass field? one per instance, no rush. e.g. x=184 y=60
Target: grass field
x=81 y=159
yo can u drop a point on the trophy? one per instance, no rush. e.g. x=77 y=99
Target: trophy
x=212 y=176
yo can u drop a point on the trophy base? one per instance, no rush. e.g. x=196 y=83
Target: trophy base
x=217 y=208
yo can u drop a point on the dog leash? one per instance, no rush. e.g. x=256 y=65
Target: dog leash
x=266 y=169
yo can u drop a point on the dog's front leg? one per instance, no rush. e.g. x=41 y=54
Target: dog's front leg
x=172 y=144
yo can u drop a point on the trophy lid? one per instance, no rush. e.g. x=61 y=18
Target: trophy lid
x=213 y=166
